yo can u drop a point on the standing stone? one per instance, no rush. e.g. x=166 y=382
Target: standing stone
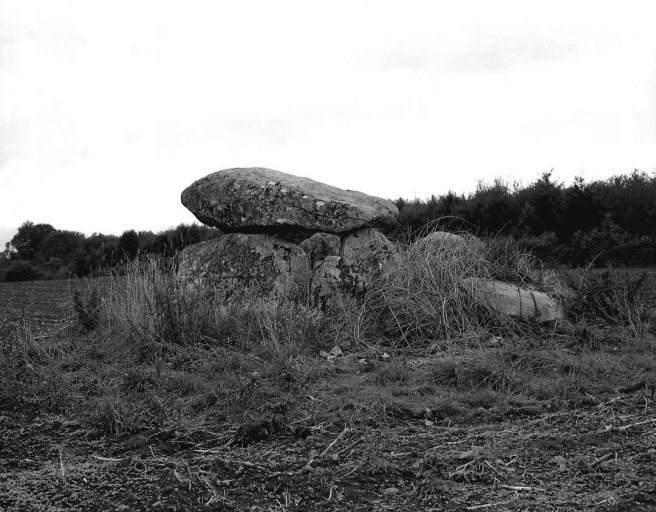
x=364 y=254
x=266 y=201
x=243 y=267
x=319 y=246
x=326 y=283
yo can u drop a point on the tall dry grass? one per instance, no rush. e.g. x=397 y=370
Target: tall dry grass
x=148 y=309
x=430 y=292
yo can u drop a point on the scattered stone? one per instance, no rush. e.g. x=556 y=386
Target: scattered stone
x=345 y=361
x=266 y=201
x=336 y=351
x=518 y=301
x=246 y=267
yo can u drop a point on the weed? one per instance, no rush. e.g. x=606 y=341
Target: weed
x=136 y=380
x=545 y=387
x=87 y=309
x=583 y=335
x=481 y=398
x=392 y=373
x=289 y=329
x=21 y=357
x=444 y=373
x=469 y=375
x=185 y=384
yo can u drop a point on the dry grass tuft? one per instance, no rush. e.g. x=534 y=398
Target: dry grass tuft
x=427 y=295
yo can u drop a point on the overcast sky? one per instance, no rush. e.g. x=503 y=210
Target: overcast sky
x=109 y=109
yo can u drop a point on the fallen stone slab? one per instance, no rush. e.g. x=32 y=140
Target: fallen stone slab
x=518 y=301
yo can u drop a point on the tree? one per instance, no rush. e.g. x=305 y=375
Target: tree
x=490 y=207
x=26 y=243
x=147 y=241
x=61 y=245
x=581 y=210
x=128 y=244
x=4 y=265
x=541 y=206
x=98 y=251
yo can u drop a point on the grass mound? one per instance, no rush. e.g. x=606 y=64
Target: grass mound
x=431 y=293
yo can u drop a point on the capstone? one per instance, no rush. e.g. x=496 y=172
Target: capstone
x=259 y=200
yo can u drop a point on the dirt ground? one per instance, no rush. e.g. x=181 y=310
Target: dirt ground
x=602 y=457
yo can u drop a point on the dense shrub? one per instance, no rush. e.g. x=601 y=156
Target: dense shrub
x=616 y=297
x=604 y=222
x=21 y=270
x=39 y=251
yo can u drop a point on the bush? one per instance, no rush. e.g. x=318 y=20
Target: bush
x=611 y=296
x=21 y=270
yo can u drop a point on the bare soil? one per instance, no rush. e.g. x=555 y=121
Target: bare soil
x=598 y=458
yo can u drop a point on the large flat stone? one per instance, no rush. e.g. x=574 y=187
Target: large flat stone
x=266 y=201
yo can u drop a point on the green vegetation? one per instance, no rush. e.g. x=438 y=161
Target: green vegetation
x=39 y=251
x=431 y=293
x=443 y=403
x=604 y=222
x=595 y=224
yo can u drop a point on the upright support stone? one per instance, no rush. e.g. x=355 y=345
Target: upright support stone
x=319 y=246
x=364 y=254
x=242 y=267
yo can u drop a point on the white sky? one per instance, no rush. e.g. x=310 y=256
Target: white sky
x=109 y=109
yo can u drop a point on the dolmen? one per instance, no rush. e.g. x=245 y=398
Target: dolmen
x=284 y=237
x=287 y=237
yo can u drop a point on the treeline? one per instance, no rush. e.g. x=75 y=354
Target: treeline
x=603 y=222
x=40 y=251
